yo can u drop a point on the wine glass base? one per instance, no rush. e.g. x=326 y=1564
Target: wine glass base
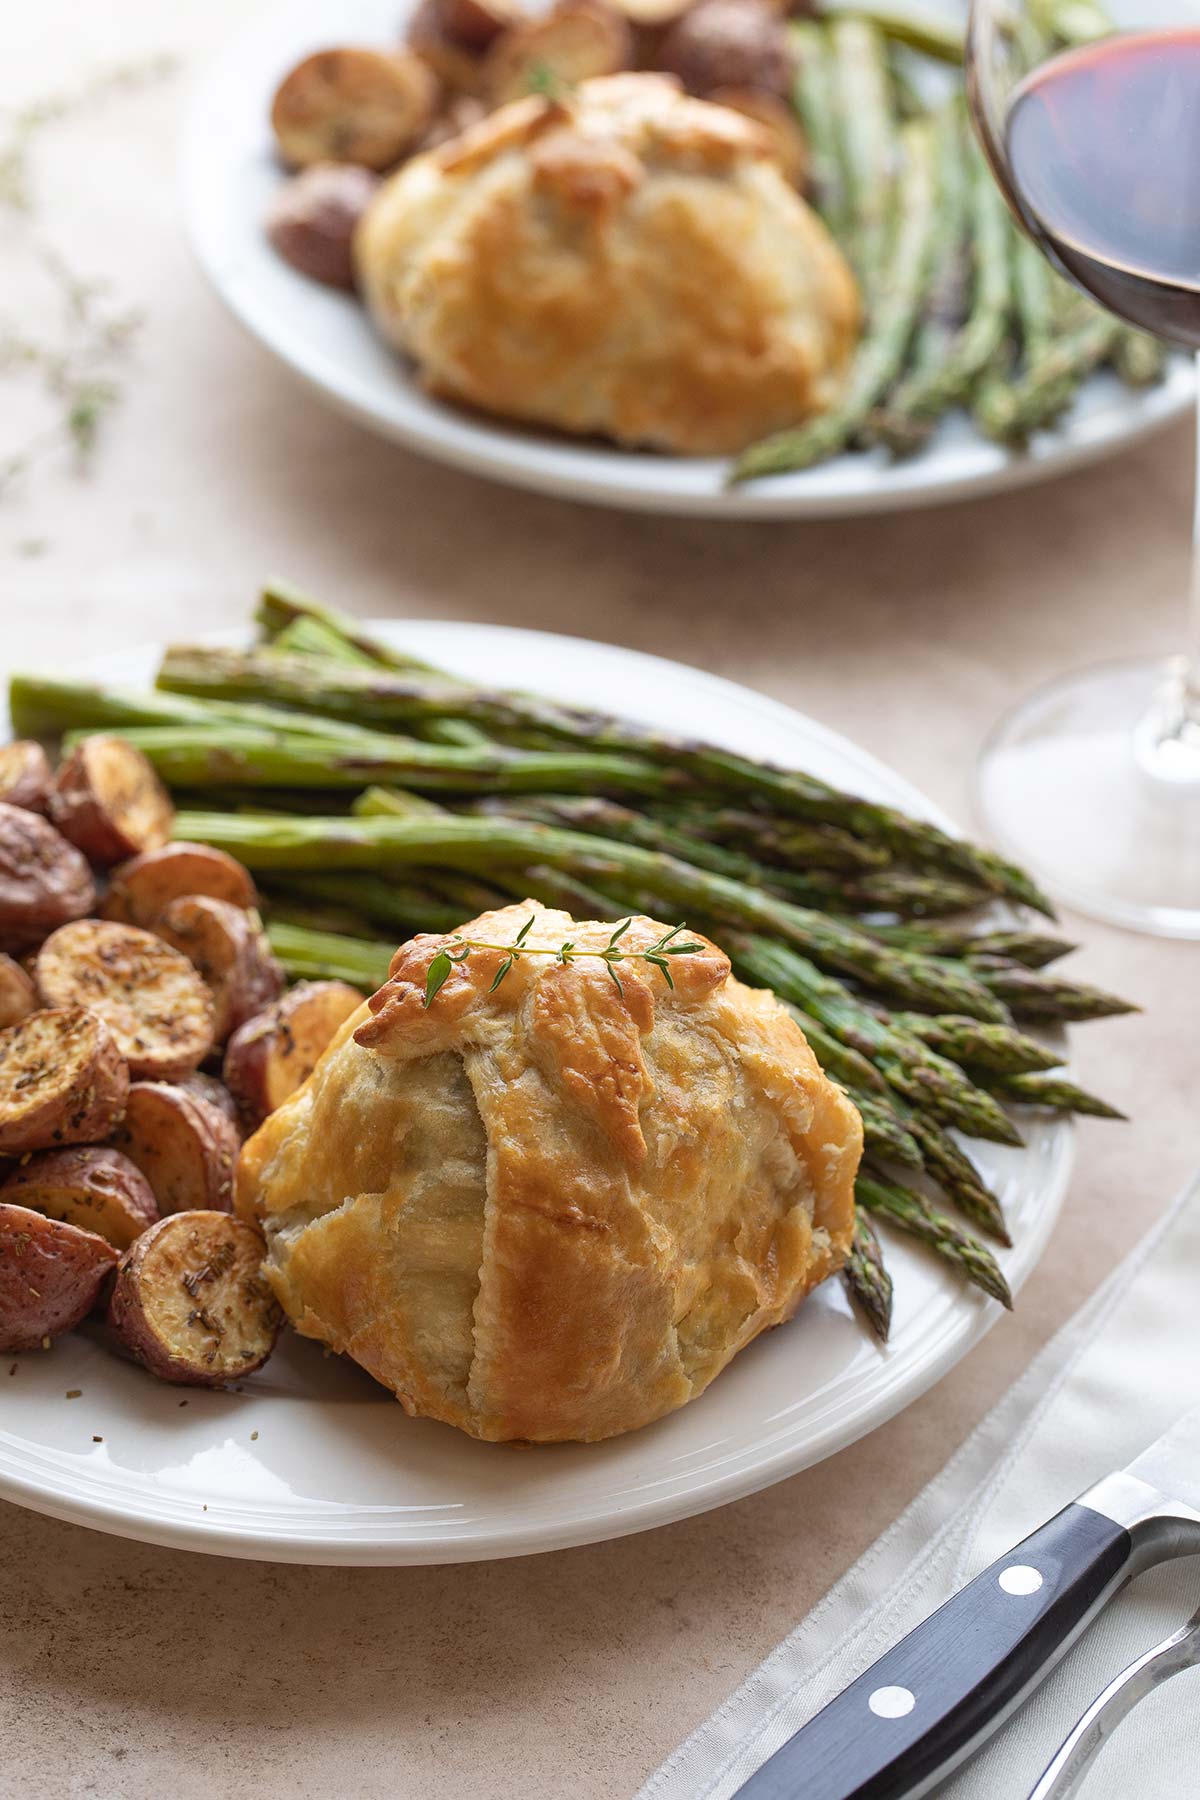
x=1087 y=787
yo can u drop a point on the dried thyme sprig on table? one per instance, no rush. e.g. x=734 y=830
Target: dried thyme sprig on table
x=27 y=122
x=79 y=368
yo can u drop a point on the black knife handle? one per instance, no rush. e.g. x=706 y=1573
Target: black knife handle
x=930 y=1701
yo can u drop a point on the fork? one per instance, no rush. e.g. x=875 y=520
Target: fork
x=1083 y=1744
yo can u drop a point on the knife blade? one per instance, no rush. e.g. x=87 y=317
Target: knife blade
x=1172 y=1462
x=932 y=1700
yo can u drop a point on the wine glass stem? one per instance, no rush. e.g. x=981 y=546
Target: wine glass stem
x=1190 y=680
x=1168 y=743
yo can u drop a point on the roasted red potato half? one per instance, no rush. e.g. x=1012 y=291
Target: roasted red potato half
x=312 y=219
x=214 y=1092
x=63 y=1080
x=142 y=889
x=578 y=40
x=452 y=35
x=729 y=44
x=44 y=881
x=228 y=948
x=190 y=1301
x=51 y=1275
x=109 y=802
x=25 y=775
x=97 y=1189
x=184 y=1146
x=353 y=106
x=151 y=998
x=18 y=996
x=272 y=1055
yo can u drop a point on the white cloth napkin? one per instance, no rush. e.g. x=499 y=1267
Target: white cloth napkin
x=1112 y=1380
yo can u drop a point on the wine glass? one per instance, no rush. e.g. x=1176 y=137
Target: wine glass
x=1091 y=122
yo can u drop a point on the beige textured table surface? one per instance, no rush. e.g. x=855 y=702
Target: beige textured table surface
x=134 y=1672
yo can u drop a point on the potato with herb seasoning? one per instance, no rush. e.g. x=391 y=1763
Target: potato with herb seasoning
x=213 y=1092
x=18 y=997
x=729 y=44
x=312 y=219
x=352 y=105
x=25 y=775
x=452 y=36
x=185 y=1146
x=97 y=1189
x=190 y=1302
x=578 y=40
x=44 y=880
x=51 y=1275
x=152 y=999
x=63 y=1080
x=275 y=1053
x=141 y=890
x=228 y=947
x=108 y=801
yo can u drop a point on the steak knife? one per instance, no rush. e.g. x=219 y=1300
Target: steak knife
x=930 y=1702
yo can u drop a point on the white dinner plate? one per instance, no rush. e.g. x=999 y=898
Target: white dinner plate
x=230 y=174
x=312 y=1462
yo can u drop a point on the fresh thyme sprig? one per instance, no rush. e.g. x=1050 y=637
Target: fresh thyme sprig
x=545 y=81
x=81 y=376
x=611 y=954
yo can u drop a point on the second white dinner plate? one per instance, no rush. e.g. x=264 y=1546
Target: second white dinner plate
x=325 y=337
x=311 y=1461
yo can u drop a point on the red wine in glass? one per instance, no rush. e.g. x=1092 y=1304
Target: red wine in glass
x=1093 y=781
x=1103 y=151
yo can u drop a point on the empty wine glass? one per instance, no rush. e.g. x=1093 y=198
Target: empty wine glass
x=1092 y=125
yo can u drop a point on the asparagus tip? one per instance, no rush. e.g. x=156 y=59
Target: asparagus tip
x=866 y=1279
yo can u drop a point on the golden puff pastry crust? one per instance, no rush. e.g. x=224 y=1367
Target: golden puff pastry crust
x=630 y=262
x=556 y=1210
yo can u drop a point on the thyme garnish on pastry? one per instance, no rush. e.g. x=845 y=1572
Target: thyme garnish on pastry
x=611 y=953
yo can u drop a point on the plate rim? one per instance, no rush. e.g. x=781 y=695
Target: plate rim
x=538 y=462
x=964 y=1327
